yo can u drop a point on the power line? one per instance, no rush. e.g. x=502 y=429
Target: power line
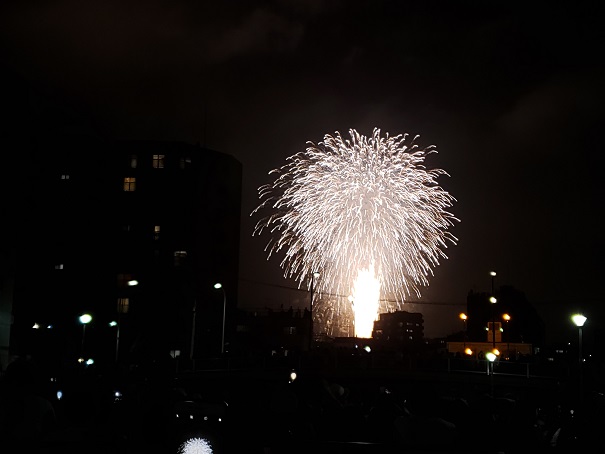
x=298 y=289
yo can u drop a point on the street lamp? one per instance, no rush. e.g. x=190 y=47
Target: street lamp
x=85 y=319
x=506 y=318
x=491 y=357
x=579 y=321
x=463 y=317
x=493 y=301
x=116 y=325
x=314 y=275
x=217 y=286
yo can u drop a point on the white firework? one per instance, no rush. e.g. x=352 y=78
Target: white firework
x=195 y=446
x=349 y=207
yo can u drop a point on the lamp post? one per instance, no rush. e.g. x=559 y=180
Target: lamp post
x=463 y=317
x=493 y=300
x=115 y=324
x=217 y=286
x=579 y=321
x=314 y=275
x=491 y=357
x=506 y=318
x=85 y=319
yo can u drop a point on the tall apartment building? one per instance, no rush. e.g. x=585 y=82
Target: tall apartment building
x=399 y=329
x=96 y=216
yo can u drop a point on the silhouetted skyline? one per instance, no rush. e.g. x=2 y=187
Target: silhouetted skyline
x=509 y=93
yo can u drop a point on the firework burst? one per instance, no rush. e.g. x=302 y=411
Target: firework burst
x=359 y=206
x=195 y=446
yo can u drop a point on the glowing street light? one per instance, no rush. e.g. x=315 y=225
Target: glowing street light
x=491 y=357
x=463 y=317
x=85 y=319
x=217 y=286
x=114 y=324
x=493 y=300
x=579 y=321
x=506 y=318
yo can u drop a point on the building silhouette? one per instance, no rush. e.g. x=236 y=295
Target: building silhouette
x=399 y=329
x=85 y=217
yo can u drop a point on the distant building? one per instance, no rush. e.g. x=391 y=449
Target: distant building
x=399 y=329
x=271 y=332
x=99 y=215
x=511 y=324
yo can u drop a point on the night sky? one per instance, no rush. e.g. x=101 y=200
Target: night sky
x=510 y=93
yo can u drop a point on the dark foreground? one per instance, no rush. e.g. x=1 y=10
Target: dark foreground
x=267 y=411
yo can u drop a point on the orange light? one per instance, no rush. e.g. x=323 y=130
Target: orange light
x=462 y=316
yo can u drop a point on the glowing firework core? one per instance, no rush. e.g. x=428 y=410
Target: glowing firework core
x=195 y=446
x=366 y=213
x=366 y=297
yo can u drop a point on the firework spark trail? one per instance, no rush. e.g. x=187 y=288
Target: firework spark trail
x=347 y=205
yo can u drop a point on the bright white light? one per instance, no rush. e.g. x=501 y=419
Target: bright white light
x=490 y=356
x=579 y=319
x=36 y=326
x=493 y=300
x=90 y=362
x=113 y=323
x=85 y=318
x=344 y=205
x=59 y=395
x=218 y=285
x=195 y=446
x=366 y=296
x=292 y=376
x=133 y=282
x=367 y=348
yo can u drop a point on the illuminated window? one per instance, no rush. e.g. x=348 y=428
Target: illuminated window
x=156 y=232
x=130 y=184
x=123 y=304
x=65 y=176
x=158 y=161
x=179 y=257
x=133 y=161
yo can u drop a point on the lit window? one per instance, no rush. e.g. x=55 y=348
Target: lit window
x=123 y=304
x=59 y=266
x=65 y=176
x=156 y=232
x=179 y=257
x=130 y=184
x=133 y=161
x=158 y=161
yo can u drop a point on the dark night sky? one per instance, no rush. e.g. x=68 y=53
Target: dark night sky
x=511 y=95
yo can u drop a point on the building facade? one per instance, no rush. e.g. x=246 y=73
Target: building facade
x=135 y=233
